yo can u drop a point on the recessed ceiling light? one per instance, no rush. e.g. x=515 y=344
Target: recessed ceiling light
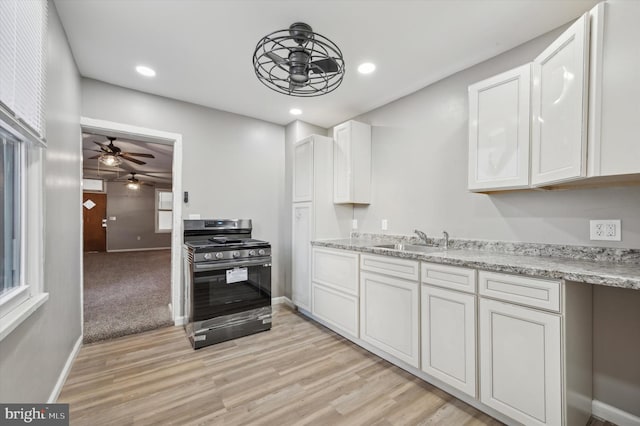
x=295 y=111
x=146 y=71
x=366 y=68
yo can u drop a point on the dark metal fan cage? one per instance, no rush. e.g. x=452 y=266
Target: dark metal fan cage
x=299 y=62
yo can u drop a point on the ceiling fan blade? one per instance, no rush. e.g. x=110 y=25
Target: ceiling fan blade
x=153 y=177
x=138 y=154
x=103 y=147
x=133 y=160
x=278 y=60
x=95 y=157
x=324 y=66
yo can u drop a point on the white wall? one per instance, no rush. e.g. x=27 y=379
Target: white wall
x=420 y=174
x=33 y=355
x=233 y=166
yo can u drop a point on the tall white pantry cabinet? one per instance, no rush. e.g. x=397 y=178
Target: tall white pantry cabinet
x=314 y=213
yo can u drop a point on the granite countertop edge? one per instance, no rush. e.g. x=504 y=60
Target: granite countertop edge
x=610 y=274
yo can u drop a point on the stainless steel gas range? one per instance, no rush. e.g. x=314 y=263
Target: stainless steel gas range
x=227 y=281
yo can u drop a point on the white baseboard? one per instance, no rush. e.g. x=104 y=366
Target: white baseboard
x=613 y=414
x=179 y=321
x=283 y=300
x=139 y=249
x=65 y=371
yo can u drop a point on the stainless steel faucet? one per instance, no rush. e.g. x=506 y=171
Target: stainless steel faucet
x=422 y=236
x=446 y=239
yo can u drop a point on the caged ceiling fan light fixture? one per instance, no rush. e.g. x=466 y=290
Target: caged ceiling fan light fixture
x=299 y=62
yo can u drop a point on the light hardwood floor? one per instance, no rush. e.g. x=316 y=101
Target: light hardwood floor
x=298 y=373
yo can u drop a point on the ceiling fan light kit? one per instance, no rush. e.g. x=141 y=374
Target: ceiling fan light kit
x=299 y=62
x=110 y=160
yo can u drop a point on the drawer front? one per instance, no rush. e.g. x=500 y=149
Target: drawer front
x=399 y=268
x=337 y=269
x=535 y=292
x=338 y=309
x=453 y=277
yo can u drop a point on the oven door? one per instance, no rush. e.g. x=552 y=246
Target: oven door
x=220 y=289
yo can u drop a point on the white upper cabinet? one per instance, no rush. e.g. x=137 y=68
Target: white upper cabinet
x=614 y=98
x=352 y=163
x=559 y=107
x=499 y=111
x=303 y=170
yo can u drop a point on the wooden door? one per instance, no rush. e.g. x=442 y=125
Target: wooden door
x=302 y=234
x=94 y=212
x=559 y=108
x=449 y=337
x=499 y=131
x=521 y=362
x=390 y=316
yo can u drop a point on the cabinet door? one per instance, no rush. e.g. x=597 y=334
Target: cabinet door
x=449 y=337
x=559 y=106
x=303 y=171
x=499 y=111
x=342 y=179
x=389 y=316
x=338 y=309
x=302 y=234
x=520 y=370
x=337 y=269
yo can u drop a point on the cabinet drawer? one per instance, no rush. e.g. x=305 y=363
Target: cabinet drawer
x=535 y=292
x=453 y=277
x=336 y=308
x=337 y=269
x=400 y=268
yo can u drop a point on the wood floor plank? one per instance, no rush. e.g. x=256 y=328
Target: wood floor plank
x=298 y=373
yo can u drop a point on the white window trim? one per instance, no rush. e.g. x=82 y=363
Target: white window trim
x=158 y=209
x=19 y=304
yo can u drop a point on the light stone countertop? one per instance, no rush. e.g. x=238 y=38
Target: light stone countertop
x=612 y=274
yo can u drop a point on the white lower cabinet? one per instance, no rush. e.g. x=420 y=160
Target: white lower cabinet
x=390 y=316
x=335 y=289
x=521 y=362
x=449 y=337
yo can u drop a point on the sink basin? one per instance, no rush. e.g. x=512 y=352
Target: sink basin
x=410 y=247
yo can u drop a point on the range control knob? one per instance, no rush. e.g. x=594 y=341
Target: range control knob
x=208 y=256
x=252 y=252
x=236 y=254
x=219 y=255
x=261 y=252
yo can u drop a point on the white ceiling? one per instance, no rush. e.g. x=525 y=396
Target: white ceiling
x=157 y=170
x=202 y=50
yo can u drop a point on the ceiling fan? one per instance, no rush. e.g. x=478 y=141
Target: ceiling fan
x=298 y=62
x=134 y=183
x=111 y=155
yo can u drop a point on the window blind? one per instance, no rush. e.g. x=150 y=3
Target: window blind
x=23 y=29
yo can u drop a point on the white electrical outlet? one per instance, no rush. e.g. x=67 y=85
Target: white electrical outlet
x=354 y=224
x=384 y=225
x=605 y=230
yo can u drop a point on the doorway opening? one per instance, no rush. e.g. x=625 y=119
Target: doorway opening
x=131 y=256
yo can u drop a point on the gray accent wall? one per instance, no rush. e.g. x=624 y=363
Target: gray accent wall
x=34 y=354
x=233 y=166
x=135 y=226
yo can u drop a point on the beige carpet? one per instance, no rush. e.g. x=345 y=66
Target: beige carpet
x=126 y=293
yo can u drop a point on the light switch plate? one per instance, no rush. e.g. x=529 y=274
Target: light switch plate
x=384 y=225
x=605 y=230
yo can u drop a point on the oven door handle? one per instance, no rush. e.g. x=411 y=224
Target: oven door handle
x=228 y=265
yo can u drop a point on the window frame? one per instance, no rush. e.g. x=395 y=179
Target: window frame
x=19 y=303
x=157 y=210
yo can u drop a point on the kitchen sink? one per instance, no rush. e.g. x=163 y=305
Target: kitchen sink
x=410 y=247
